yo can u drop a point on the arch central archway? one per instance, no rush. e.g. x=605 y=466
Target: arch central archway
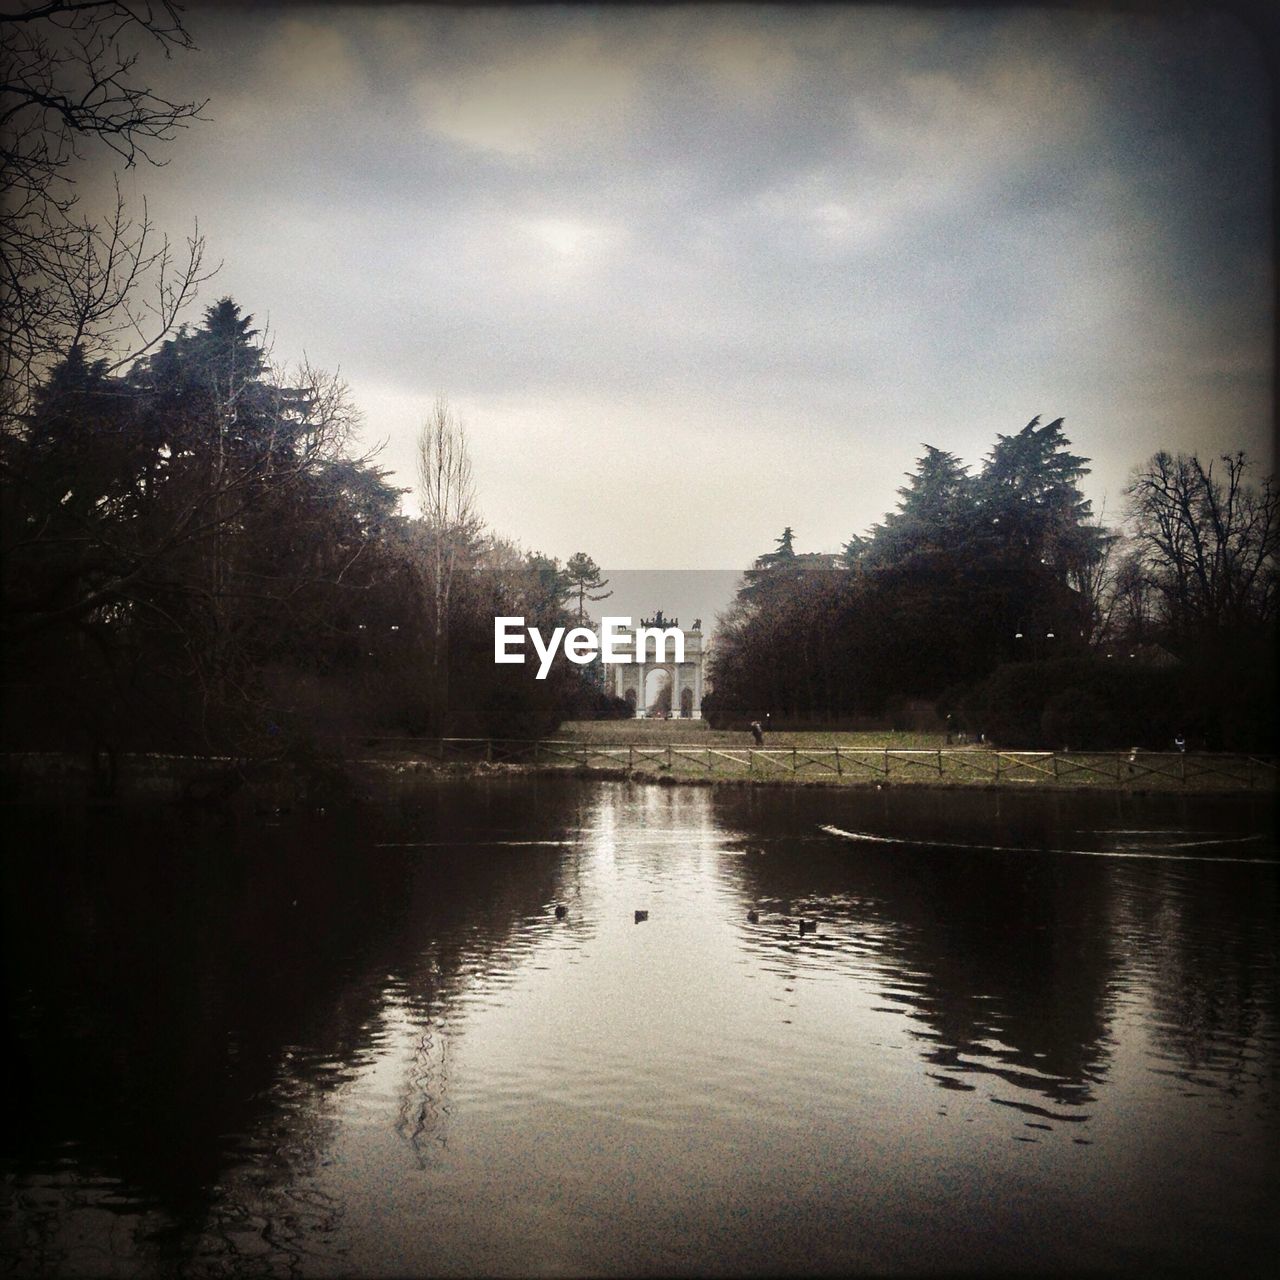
x=658 y=685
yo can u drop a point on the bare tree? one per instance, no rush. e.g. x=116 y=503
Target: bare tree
x=450 y=526
x=112 y=285
x=1092 y=576
x=1129 y=609
x=1207 y=545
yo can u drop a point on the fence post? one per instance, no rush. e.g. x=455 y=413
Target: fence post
x=939 y=762
x=794 y=766
x=838 y=762
x=997 y=766
x=668 y=756
x=1055 y=766
x=631 y=756
x=886 y=764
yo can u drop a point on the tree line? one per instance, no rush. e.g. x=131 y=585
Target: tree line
x=194 y=555
x=195 y=558
x=1002 y=600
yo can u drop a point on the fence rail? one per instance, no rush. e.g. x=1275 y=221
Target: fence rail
x=884 y=764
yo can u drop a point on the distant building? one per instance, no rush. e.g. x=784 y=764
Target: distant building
x=640 y=681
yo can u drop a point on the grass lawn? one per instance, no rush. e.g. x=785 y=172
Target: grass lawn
x=698 y=752
x=689 y=750
x=695 y=733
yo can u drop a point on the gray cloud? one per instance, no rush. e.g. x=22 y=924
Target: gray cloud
x=789 y=245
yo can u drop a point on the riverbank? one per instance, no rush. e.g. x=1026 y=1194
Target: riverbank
x=327 y=781
x=1207 y=776
x=691 y=753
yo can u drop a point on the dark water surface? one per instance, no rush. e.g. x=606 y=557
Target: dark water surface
x=366 y=1045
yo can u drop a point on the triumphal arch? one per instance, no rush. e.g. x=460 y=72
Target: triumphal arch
x=642 y=680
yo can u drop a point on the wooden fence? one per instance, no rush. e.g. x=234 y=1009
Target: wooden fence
x=960 y=765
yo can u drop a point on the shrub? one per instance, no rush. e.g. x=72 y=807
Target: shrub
x=1090 y=703
x=1076 y=718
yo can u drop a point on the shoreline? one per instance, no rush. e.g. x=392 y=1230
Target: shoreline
x=657 y=779
x=217 y=781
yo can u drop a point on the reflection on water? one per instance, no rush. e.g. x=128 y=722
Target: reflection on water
x=370 y=1045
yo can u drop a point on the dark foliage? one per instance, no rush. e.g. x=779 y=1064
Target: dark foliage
x=193 y=560
x=965 y=575
x=997 y=597
x=1117 y=702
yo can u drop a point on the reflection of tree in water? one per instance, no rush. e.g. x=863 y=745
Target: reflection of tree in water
x=423 y=1107
x=262 y=1217
x=186 y=995
x=1014 y=971
x=266 y=1217
x=67 y=1226
x=456 y=956
x=1201 y=939
x=1003 y=959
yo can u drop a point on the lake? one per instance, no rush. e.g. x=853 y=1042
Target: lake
x=1025 y=1031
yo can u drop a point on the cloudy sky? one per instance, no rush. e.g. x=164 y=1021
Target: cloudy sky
x=693 y=274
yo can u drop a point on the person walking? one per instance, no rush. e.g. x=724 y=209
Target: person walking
x=757 y=733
